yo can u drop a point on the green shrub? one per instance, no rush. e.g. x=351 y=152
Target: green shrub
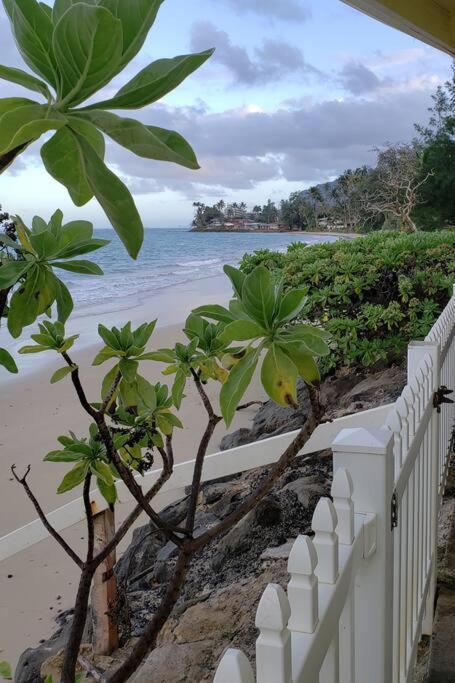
x=372 y=294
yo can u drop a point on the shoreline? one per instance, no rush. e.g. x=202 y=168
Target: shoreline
x=322 y=233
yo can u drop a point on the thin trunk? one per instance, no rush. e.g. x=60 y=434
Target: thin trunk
x=77 y=627
x=147 y=642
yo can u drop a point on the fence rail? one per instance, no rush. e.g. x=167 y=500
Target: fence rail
x=362 y=591
x=217 y=465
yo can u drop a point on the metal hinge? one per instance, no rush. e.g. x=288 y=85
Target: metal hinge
x=440 y=397
x=394 y=511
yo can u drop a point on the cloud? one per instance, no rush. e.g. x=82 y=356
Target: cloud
x=239 y=148
x=287 y=10
x=358 y=79
x=274 y=59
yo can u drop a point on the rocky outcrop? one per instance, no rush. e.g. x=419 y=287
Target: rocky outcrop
x=347 y=392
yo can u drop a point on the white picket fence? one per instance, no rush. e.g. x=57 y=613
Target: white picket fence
x=362 y=591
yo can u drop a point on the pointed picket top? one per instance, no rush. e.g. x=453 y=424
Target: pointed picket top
x=303 y=586
x=273 y=646
x=402 y=407
x=342 y=486
x=324 y=516
x=303 y=557
x=234 y=667
x=273 y=610
x=398 y=426
x=325 y=541
x=342 y=490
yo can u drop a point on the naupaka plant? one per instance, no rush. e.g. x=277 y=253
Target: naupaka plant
x=133 y=422
x=76 y=49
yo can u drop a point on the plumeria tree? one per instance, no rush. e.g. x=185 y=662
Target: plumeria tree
x=133 y=421
x=74 y=50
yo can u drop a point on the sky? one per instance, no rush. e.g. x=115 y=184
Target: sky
x=296 y=92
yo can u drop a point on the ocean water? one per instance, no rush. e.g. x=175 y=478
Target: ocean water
x=168 y=257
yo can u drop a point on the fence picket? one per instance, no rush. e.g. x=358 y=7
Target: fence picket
x=273 y=646
x=303 y=586
x=344 y=507
x=234 y=667
x=326 y=540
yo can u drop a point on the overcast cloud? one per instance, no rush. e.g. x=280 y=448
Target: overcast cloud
x=289 y=10
x=273 y=60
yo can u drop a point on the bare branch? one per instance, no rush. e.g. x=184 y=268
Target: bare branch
x=53 y=532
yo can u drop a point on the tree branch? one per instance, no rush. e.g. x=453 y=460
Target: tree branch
x=53 y=532
x=89 y=517
x=79 y=389
x=313 y=420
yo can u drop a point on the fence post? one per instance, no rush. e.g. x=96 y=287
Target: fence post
x=416 y=352
x=368 y=456
x=104 y=589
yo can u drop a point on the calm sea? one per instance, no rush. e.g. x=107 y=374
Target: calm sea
x=168 y=257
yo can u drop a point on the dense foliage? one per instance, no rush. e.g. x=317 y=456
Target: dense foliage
x=372 y=294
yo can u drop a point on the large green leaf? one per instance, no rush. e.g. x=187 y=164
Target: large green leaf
x=31 y=299
x=279 y=377
x=73 y=478
x=87 y=43
x=62 y=6
x=115 y=199
x=305 y=363
x=62 y=157
x=20 y=77
x=27 y=123
x=291 y=304
x=32 y=28
x=11 y=272
x=64 y=301
x=137 y=17
x=145 y=141
x=61 y=373
x=241 y=330
x=154 y=82
x=237 y=383
x=10 y=103
x=79 y=266
x=258 y=296
x=7 y=361
x=236 y=277
x=214 y=312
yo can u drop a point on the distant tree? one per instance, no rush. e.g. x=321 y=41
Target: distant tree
x=438 y=139
x=349 y=196
x=398 y=183
x=269 y=213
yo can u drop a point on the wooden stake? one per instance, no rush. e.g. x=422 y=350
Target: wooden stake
x=104 y=590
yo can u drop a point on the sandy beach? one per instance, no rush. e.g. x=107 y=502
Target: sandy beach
x=39 y=582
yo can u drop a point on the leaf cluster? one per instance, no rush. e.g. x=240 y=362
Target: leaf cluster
x=27 y=267
x=75 y=49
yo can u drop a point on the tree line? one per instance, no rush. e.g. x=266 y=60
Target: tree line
x=411 y=186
